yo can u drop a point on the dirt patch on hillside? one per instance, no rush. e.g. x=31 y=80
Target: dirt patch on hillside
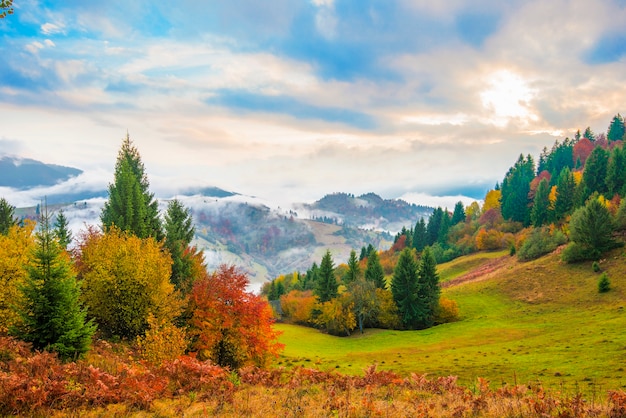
x=482 y=272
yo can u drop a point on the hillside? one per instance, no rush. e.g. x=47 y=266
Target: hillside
x=22 y=173
x=541 y=321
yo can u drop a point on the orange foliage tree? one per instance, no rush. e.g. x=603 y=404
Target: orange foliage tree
x=228 y=325
x=298 y=306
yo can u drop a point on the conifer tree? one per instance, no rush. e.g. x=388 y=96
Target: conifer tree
x=428 y=287
x=179 y=232
x=589 y=134
x=565 y=194
x=404 y=289
x=458 y=215
x=515 y=188
x=433 y=228
x=131 y=207
x=327 y=282
x=616 y=172
x=616 y=129
x=591 y=228
x=52 y=317
x=354 y=271
x=541 y=204
x=374 y=270
x=311 y=277
x=420 y=237
x=61 y=230
x=594 y=176
x=7 y=216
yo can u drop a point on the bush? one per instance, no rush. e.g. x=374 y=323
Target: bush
x=604 y=284
x=595 y=267
x=575 y=252
x=162 y=342
x=540 y=242
x=447 y=311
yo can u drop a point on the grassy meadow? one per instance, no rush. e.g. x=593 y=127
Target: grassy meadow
x=537 y=322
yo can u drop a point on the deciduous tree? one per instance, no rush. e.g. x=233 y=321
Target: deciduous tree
x=229 y=325
x=364 y=301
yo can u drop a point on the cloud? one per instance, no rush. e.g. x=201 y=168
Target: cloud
x=52 y=28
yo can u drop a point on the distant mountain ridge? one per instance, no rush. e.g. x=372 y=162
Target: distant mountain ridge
x=24 y=173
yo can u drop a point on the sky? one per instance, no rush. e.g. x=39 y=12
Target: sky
x=292 y=99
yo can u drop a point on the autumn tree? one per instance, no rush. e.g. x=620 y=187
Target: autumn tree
x=131 y=207
x=374 y=270
x=336 y=315
x=16 y=247
x=327 y=282
x=61 y=230
x=354 y=271
x=51 y=315
x=6 y=8
x=125 y=279
x=404 y=288
x=179 y=232
x=7 y=216
x=228 y=325
x=364 y=301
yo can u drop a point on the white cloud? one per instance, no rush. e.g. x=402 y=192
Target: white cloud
x=52 y=28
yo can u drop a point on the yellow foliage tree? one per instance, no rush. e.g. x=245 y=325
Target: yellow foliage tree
x=124 y=280
x=15 y=249
x=552 y=197
x=162 y=342
x=492 y=200
x=337 y=315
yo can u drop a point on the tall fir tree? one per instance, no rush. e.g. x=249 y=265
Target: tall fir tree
x=515 y=188
x=458 y=215
x=327 y=282
x=616 y=129
x=429 y=289
x=311 y=277
x=374 y=270
x=594 y=176
x=565 y=194
x=61 y=230
x=354 y=271
x=434 y=226
x=7 y=216
x=420 y=235
x=404 y=289
x=52 y=317
x=131 y=207
x=541 y=205
x=616 y=172
x=179 y=232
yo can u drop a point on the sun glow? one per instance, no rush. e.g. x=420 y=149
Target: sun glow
x=508 y=97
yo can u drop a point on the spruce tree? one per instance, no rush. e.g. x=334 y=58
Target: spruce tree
x=420 y=235
x=327 y=282
x=515 y=188
x=458 y=215
x=541 y=204
x=7 y=216
x=52 y=317
x=354 y=271
x=594 y=176
x=61 y=230
x=404 y=289
x=131 y=207
x=565 y=194
x=616 y=172
x=616 y=129
x=591 y=227
x=374 y=270
x=179 y=232
x=429 y=289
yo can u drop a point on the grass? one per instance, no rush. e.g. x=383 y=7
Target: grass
x=541 y=321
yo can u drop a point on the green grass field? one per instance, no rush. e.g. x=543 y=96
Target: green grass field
x=541 y=321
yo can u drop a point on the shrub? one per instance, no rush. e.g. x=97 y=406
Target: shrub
x=604 y=284
x=446 y=311
x=162 y=342
x=595 y=267
x=575 y=252
x=540 y=242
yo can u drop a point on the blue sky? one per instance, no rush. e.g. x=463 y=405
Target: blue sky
x=292 y=99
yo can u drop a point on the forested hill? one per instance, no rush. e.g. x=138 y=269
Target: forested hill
x=367 y=210
x=21 y=173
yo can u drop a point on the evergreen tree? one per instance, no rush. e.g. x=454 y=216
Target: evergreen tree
x=7 y=216
x=354 y=271
x=404 y=289
x=541 y=205
x=131 y=207
x=179 y=232
x=444 y=228
x=616 y=172
x=458 y=215
x=429 y=289
x=434 y=226
x=591 y=228
x=327 y=282
x=565 y=194
x=374 y=270
x=311 y=277
x=420 y=237
x=52 y=317
x=589 y=134
x=515 y=188
x=616 y=129
x=61 y=230
x=594 y=176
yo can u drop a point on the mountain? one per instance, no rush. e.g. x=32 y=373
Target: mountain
x=24 y=173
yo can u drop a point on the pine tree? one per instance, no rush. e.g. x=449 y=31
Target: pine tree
x=616 y=172
x=589 y=134
x=374 y=270
x=594 y=176
x=7 y=216
x=420 y=235
x=311 y=277
x=404 y=289
x=428 y=287
x=354 y=271
x=61 y=230
x=52 y=317
x=591 y=227
x=515 y=188
x=179 y=232
x=565 y=194
x=434 y=226
x=327 y=282
x=458 y=215
x=616 y=129
x=541 y=204
x=131 y=207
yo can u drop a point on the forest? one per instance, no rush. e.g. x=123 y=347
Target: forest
x=127 y=314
